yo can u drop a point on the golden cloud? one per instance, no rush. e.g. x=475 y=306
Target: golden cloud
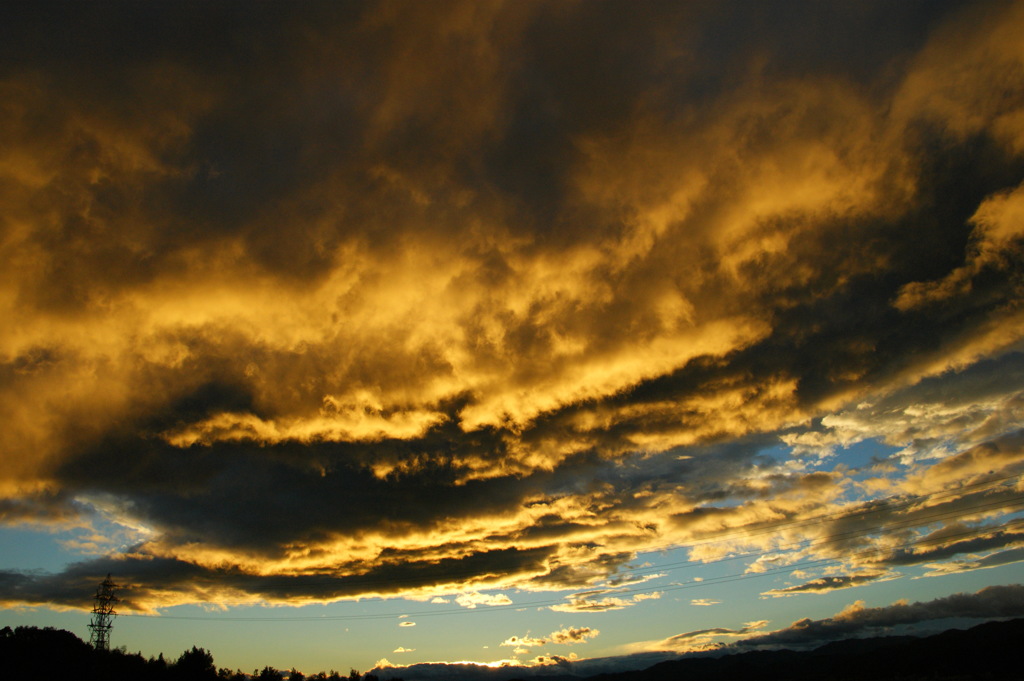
x=446 y=307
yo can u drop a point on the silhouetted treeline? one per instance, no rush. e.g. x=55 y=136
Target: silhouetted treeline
x=48 y=653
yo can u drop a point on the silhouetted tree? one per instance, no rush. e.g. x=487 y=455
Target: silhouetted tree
x=25 y=652
x=195 y=665
x=267 y=674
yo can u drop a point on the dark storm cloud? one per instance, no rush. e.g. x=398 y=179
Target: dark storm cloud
x=72 y=586
x=852 y=532
x=1007 y=557
x=474 y=292
x=857 y=620
x=144 y=581
x=43 y=507
x=243 y=495
x=992 y=539
x=990 y=602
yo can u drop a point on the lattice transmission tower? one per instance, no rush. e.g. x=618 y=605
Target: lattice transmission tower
x=103 y=615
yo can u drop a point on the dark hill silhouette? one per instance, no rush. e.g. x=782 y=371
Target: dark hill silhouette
x=989 y=652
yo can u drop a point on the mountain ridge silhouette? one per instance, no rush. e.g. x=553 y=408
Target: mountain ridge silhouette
x=985 y=652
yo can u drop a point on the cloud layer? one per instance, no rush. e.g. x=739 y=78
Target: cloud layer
x=329 y=300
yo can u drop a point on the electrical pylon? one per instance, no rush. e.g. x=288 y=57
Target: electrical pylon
x=103 y=615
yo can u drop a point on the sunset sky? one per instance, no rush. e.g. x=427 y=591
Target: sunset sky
x=573 y=335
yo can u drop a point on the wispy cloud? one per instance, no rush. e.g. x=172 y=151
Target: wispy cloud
x=566 y=636
x=703 y=639
x=704 y=601
x=597 y=601
x=473 y=599
x=826 y=584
